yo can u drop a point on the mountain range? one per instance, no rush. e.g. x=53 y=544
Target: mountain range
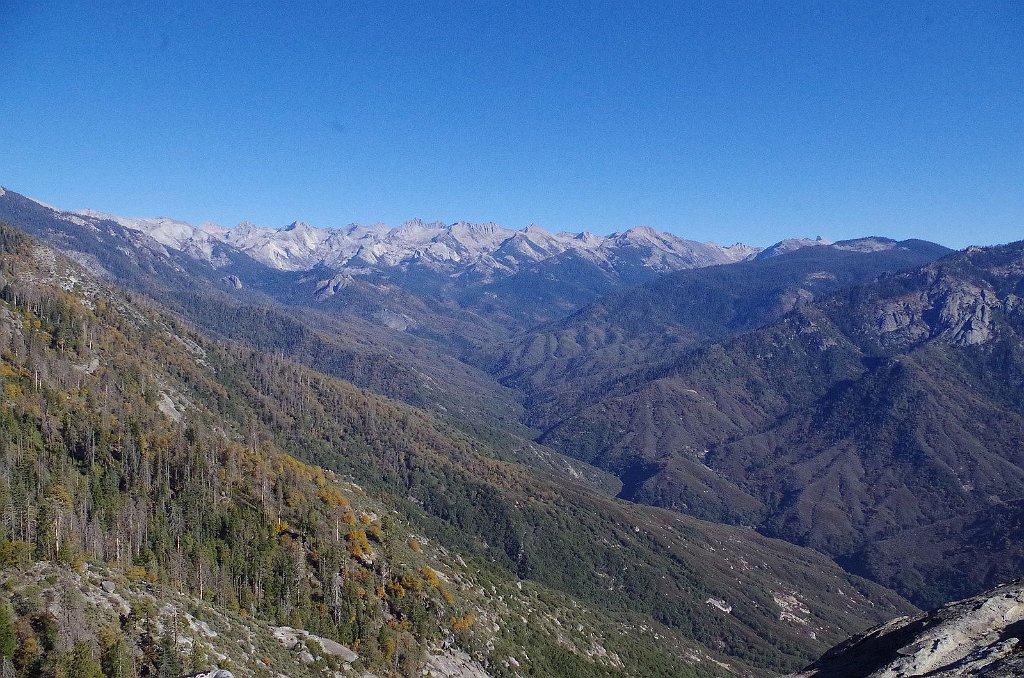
x=855 y=421
x=630 y=422
x=181 y=459
x=480 y=251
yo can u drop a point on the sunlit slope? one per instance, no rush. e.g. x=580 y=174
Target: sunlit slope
x=154 y=411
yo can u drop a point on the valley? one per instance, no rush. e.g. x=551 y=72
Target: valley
x=512 y=340
x=711 y=460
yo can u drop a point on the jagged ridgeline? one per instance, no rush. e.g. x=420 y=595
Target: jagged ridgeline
x=164 y=494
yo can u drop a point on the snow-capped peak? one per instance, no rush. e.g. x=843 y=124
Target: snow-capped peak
x=485 y=250
x=166 y=231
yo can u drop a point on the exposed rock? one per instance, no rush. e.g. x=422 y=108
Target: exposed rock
x=293 y=638
x=965 y=314
x=328 y=288
x=395 y=321
x=287 y=636
x=232 y=280
x=338 y=650
x=166 y=405
x=958 y=312
x=89 y=367
x=108 y=586
x=977 y=637
x=791 y=608
x=453 y=664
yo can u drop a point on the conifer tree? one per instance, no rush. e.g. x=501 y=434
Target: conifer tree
x=8 y=639
x=170 y=662
x=83 y=664
x=114 y=658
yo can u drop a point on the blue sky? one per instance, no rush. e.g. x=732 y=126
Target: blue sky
x=727 y=121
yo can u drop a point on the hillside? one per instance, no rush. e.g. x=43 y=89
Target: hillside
x=641 y=329
x=176 y=458
x=852 y=426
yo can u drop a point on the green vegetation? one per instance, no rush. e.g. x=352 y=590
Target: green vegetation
x=879 y=424
x=129 y=440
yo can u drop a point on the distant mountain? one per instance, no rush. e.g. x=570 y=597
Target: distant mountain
x=880 y=424
x=790 y=245
x=639 y=330
x=449 y=282
x=247 y=481
x=855 y=245
x=481 y=251
x=975 y=638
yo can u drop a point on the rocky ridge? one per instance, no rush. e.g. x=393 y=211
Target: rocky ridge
x=979 y=637
x=939 y=303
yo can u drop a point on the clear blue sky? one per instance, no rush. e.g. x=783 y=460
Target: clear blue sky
x=716 y=120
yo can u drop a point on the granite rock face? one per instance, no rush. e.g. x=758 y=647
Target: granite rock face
x=959 y=302
x=979 y=637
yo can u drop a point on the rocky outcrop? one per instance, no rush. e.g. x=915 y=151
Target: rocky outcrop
x=977 y=637
x=299 y=640
x=957 y=312
x=454 y=663
x=960 y=302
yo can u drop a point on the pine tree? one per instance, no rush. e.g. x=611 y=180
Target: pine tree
x=170 y=662
x=198 y=659
x=83 y=664
x=114 y=658
x=8 y=639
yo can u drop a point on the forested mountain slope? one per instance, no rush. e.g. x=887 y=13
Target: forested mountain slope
x=872 y=425
x=642 y=329
x=132 y=441
x=373 y=356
